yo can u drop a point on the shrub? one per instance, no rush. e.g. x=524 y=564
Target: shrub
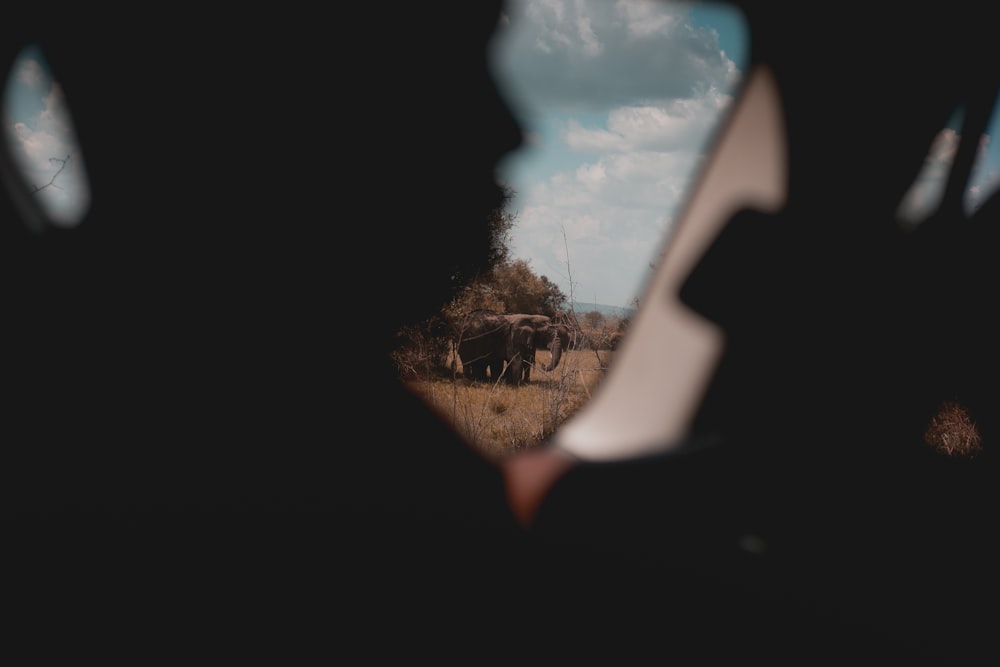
x=952 y=432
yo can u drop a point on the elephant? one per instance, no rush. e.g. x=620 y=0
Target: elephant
x=530 y=333
x=482 y=344
x=492 y=345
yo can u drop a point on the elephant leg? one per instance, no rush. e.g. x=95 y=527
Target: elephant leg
x=496 y=368
x=476 y=370
x=529 y=361
x=515 y=370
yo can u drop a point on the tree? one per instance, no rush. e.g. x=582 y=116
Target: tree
x=501 y=226
x=505 y=285
x=500 y=223
x=553 y=298
x=511 y=287
x=424 y=346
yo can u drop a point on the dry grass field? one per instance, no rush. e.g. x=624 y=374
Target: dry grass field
x=501 y=419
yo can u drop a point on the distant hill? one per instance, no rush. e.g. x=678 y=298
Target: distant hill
x=608 y=311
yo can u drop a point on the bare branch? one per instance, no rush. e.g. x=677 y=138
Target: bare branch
x=52 y=181
x=569 y=271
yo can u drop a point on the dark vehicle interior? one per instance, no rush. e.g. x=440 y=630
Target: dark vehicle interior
x=191 y=387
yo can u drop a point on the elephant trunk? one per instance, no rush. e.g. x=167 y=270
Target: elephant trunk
x=556 y=349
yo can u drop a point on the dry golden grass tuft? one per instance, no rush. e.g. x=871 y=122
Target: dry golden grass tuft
x=499 y=419
x=952 y=432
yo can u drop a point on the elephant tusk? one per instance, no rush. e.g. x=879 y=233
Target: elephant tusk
x=556 y=350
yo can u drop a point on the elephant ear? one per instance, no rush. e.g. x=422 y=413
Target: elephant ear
x=515 y=339
x=524 y=335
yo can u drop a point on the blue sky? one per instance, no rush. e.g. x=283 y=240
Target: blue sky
x=618 y=101
x=42 y=139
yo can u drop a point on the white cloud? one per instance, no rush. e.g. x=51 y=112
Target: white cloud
x=49 y=135
x=643 y=19
x=614 y=213
x=679 y=124
x=592 y=54
x=591 y=176
x=616 y=207
x=54 y=117
x=589 y=140
x=588 y=38
x=625 y=95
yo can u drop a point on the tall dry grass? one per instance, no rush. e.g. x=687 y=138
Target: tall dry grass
x=952 y=431
x=499 y=419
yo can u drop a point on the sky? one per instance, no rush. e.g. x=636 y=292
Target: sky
x=42 y=140
x=618 y=101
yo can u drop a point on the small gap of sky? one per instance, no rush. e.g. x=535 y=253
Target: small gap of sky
x=42 y=141
x=925 y=193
